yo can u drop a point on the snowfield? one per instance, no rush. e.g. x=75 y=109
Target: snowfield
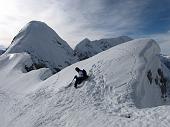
x=117 y=94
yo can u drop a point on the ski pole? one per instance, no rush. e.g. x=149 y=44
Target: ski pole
x=73 y=80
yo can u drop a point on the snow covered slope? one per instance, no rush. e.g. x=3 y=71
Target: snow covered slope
x=13 y=76
x=118 y=93
x=87 y=48
x=44 y=46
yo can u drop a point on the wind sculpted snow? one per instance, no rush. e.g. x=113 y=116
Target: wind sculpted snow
x=117 y=93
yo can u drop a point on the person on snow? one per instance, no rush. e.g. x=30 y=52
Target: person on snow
x=162 y=83
x=81 y=77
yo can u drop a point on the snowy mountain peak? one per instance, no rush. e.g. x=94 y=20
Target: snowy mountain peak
x=87 y=48
x=36 y=22
x=37 y=28
x=44 y=45
x=85 y=40
x=125 y=38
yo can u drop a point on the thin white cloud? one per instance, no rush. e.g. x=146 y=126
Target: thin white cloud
x=163 y=40
x=73 y=20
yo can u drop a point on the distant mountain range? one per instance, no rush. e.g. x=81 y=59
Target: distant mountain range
x=36 y=38
x=87 y=48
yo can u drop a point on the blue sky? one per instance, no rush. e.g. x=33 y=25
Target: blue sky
x=75 y=20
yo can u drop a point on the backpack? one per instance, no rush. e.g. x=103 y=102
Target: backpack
x=84 y=73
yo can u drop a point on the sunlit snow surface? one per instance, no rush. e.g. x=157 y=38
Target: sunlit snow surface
x=117 y=93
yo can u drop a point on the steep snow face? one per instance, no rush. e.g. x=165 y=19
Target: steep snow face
x=87 y=48
x=44 y=46
x=117 y=88
x=15 y=83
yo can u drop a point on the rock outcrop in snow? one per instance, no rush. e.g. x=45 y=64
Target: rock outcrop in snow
x=1 y=51
x=166 y=60
x=44 y=45
x=87 y=48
